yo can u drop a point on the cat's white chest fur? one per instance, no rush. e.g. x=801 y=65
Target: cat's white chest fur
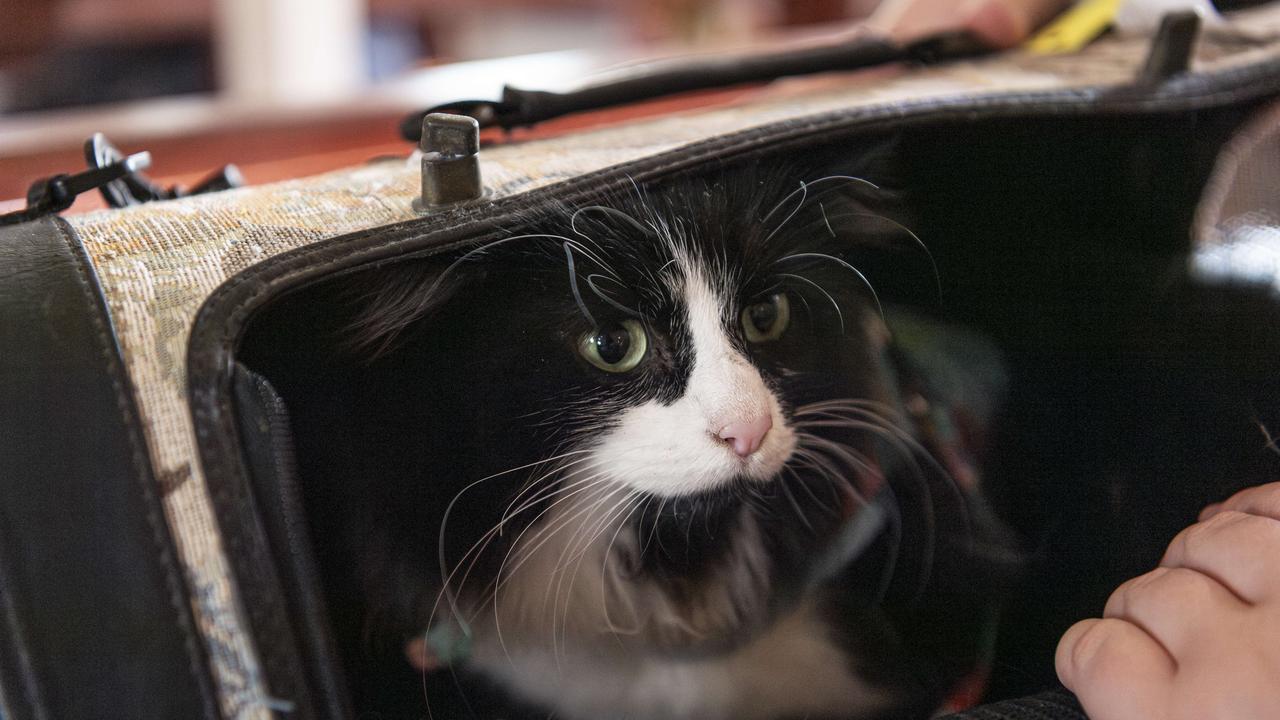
x=791 y=670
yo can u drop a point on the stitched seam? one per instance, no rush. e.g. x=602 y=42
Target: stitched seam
x=141 y=463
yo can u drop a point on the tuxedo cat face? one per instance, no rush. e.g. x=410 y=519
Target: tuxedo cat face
x=724 y=423
x=650 y=417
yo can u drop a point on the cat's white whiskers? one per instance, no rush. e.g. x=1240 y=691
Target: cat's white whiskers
x=527 y=548
x=478 y=547
x=868 y=419
x=870 y=416
x=592 y=255
x=580 y=465
x=1270 y=440
x=573 y=284
x=786 y=490
x=908 y=448
x=851 y=456
x=559 y=569
x=562 y=485
x=591 y=283
x=937 y=276
x=578 y=549
x=608 y=572
x=542 y=536
x=804 y=194
x=828 y=473
x=653 y=529
x=546 y=494
x=804 y=187
x=621 y=509
x=498 y=527
x=825 y=221
x=444 y=521
x=845 y=265
x=894 y=525
x=834 y=304
x=614 y=212
x=562 y=474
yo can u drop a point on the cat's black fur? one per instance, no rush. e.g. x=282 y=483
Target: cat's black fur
x=462 y=367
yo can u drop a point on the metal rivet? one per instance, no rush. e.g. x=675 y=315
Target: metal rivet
x=450 y=161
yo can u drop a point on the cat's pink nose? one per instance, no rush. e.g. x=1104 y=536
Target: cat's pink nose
x=746 y=437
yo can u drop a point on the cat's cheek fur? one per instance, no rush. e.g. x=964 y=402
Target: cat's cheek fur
x=676 y=449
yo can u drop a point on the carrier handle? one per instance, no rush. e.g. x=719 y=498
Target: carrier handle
x=519 y=107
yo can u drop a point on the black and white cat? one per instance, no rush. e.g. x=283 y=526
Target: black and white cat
x=646 y=459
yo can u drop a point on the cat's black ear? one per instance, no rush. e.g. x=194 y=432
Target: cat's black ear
x=860 y=207
x=877 y=159
x=854 y=189
x=386 y=301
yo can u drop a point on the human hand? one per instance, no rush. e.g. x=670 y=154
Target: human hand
x=1199 y=636
x=996 y=23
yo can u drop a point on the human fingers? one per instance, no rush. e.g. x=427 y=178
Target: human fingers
x=1173 y=605
x=996 y=23
x=1116 y=670
x=1261 y=500
x=1241 y=550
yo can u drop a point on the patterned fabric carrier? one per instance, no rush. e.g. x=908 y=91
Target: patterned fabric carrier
x=170 y=286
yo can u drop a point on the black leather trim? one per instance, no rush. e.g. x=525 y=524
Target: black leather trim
x=221 y=321
x=95 y=614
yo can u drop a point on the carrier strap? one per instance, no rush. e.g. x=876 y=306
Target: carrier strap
x=519 y=107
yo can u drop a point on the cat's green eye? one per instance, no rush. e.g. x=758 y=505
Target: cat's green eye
x=767 y=320
x=616 y=348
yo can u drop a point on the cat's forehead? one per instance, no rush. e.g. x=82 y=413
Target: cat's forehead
x=640 y=254
x=689 y=275
x=675 y=255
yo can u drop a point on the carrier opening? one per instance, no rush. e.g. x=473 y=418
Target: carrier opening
x=1061 y=242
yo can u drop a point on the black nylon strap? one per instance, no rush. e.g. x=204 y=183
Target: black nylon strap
x=528 y=107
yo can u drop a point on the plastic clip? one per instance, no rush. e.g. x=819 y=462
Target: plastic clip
x=135 y=188
x=54 y=194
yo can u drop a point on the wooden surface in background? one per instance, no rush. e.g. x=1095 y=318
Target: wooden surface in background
x=272 y=152
x=264 y=153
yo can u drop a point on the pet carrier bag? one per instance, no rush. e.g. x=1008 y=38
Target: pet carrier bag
x=156 y=555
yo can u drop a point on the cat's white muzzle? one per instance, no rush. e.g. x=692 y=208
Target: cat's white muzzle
x=681 y=449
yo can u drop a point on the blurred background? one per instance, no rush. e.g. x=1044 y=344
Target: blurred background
x=265 y=83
